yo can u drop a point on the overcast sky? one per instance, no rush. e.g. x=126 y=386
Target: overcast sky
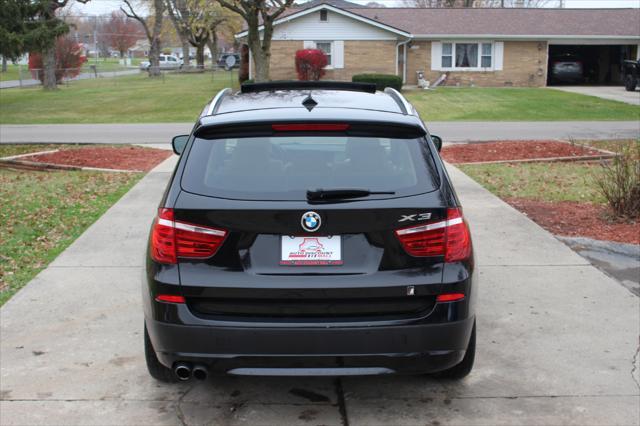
x=99 y=7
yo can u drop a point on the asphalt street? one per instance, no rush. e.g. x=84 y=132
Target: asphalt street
x=450 y=131
x=557 y=341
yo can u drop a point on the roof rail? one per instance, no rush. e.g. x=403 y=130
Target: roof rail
x=217 y=100
x=307 y=85
x=405 y=106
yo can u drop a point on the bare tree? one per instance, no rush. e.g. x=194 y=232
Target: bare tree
x=196 y=22
x=120 y=32
x=254 y=11
x=180 y=16
x=153 y=29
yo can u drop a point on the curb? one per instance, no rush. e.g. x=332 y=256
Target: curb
x=33 y=165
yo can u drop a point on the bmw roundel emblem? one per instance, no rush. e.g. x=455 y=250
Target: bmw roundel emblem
x=311 y=221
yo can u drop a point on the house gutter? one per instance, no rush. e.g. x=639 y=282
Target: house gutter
x=404 y=58
x=524 y=37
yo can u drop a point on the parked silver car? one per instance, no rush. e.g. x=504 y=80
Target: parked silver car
x=167 y=62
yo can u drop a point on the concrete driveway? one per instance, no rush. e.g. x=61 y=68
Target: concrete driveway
x=557 y=342
x=613 y=93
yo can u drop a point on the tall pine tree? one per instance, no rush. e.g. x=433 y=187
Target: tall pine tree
x=33 y=26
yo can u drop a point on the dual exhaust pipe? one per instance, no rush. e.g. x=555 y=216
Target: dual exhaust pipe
x=185 y=371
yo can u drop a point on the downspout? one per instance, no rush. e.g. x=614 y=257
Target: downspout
x=404 y=59
x=250 y=64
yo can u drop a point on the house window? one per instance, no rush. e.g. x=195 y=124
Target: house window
x=467 y=56
x=326 y=47
x=447 y=55
x=324 y=17
x=485 y=60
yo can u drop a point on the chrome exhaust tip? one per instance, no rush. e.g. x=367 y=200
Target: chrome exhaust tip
x=182 y=370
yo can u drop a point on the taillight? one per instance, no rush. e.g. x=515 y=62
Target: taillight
x=172 y=239
x=449 y=238
x=163 y=241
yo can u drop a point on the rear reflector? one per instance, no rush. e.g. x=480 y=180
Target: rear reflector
x=304 y=127
x=172 y=239
x=449 y=238
x=450 y=297
x=169 y=298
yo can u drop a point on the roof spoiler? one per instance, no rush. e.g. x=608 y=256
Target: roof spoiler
x=307 y=85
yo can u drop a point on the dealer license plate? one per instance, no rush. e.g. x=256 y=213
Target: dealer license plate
x=310 y=251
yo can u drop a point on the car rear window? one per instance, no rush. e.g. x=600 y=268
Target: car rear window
x=284 y=168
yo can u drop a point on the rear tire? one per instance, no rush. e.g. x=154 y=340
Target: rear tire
x=156 y=369
x=630 y=83
x=465 y=366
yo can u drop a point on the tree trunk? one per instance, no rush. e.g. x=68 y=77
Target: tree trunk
x=260 y=60
x=260 y=56
x=49 y=64
x=4 y=64
x=186 y=47
x=261 y=66
x=154 y=38
x=200 y=56
x=154 y=58
x=213 y=48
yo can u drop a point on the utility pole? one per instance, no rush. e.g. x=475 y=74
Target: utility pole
x=95 y=39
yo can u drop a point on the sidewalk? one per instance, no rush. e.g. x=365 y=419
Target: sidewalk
x=613 y=93
x=450 y=131
x=556 y=341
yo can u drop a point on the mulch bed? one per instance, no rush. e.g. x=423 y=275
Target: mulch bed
x=121 y=158
x=514 y=150
x=575 y=219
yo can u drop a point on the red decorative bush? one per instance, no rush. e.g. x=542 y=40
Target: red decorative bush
x=310 y=64
x=69 y=60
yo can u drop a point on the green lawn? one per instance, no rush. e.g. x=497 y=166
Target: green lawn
x=515 y=104
x=181 y=97
x=539 y=181
x=12 y=72
x=43 y=212
x=129 y=99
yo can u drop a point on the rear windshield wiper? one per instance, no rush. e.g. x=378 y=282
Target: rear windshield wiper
x=341 y=194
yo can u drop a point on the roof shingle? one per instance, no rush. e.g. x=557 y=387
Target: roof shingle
x=503 y=21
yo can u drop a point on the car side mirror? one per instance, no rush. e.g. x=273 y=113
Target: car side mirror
x=437 y=141
x=179 y=142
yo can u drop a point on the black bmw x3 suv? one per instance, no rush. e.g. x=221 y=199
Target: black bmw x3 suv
x=309 y=228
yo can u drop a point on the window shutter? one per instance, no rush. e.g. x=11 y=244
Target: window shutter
x=436 y=55
x=498 y=55
x=309 y=45
x=338 y=54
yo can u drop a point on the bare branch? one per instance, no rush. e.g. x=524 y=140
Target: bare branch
x=232 y=6
x=133 y=15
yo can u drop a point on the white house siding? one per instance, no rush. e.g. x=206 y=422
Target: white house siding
x=337 y=27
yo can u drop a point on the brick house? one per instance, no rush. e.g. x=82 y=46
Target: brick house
x=473 y=46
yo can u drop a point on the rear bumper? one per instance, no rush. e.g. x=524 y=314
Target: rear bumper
x=418 y=348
